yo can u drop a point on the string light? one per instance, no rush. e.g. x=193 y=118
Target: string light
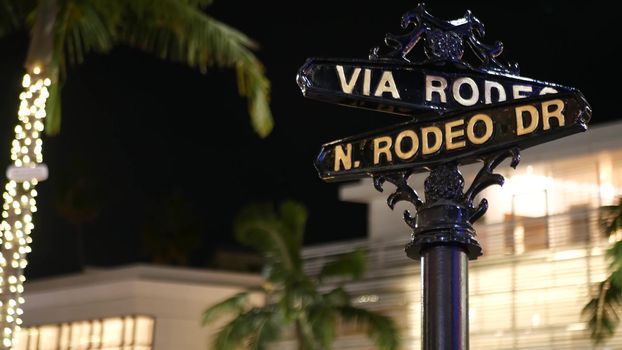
x=19 y=201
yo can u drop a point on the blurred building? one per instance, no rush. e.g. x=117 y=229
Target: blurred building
x=543 y=251
x=131 y=308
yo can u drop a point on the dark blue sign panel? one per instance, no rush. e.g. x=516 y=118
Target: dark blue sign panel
x=399 y=87
x=462 y=137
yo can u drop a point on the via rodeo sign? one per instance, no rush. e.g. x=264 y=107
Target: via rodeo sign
x=460 y=111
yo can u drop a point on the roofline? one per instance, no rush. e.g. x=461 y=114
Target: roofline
x=145 y=272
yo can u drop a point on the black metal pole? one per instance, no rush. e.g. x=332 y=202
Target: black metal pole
x=444 y=240
x=444 y=279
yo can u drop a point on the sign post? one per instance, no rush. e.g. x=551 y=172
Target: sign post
x=461 y=111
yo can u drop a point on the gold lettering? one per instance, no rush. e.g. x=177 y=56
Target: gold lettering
x=387 y=84
x=450 y=135
x=343 y=158
x=471 y=129
x=438 y=139
x=557 y=113
x=382 y=145
x=521 y=129
x=346 y=86
x=414 y=140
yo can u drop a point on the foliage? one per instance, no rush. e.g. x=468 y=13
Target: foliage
x=176 y=30
x=291 y=298
x=602 y=312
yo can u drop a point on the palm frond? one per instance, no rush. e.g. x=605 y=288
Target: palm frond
x=337 y=297
x=90 y=26
x=611 y=218
x=298 y=293
x=294 y=216
x=13 y=14
x=305 y=334
x=235 y=304
x=351 y=265
x=614 y=254
x=8 y=17
x=80 y=27
x=180 y=31
x=259 y=227
x=268 y=329
x=380 y=329
x=602 y=311
x=323 y=321
x=255 y=328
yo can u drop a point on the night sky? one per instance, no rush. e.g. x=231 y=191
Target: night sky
x=137 y=130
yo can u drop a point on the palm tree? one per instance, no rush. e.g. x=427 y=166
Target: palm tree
x=602 y=312
x=291 y=297
x=62 y=33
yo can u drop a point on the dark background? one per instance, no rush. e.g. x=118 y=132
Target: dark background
x=137 y=129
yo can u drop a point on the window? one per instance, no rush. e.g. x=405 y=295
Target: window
x=579 y=224
x=525 y=234
x=115 y=333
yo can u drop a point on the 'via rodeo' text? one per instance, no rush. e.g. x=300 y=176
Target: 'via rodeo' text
x=464 y=136
x=414 y=90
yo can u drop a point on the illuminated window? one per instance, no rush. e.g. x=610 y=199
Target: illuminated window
x=525 y=234
x=115 y=333
x=579 y=224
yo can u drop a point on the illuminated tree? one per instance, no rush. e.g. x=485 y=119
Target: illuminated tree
x=292 y=298
x=62 y=33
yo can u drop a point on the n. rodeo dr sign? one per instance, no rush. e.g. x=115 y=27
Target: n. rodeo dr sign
x=461 y=137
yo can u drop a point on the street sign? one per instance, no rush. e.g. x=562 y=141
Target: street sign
x=400 y=87
x=465 y=105
x=462 y=136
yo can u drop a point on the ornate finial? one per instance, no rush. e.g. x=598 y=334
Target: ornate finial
x=444 y=182
x=445 y=40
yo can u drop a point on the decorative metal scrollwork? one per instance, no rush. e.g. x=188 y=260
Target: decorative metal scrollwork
x=444 y=40
x=447 y=214
x=486 y=178
x=403 y=192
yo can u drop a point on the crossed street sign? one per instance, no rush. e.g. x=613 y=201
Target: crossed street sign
x=458 y=112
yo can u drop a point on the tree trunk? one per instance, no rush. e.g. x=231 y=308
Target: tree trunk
x=25 y=172
x=299 y=336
